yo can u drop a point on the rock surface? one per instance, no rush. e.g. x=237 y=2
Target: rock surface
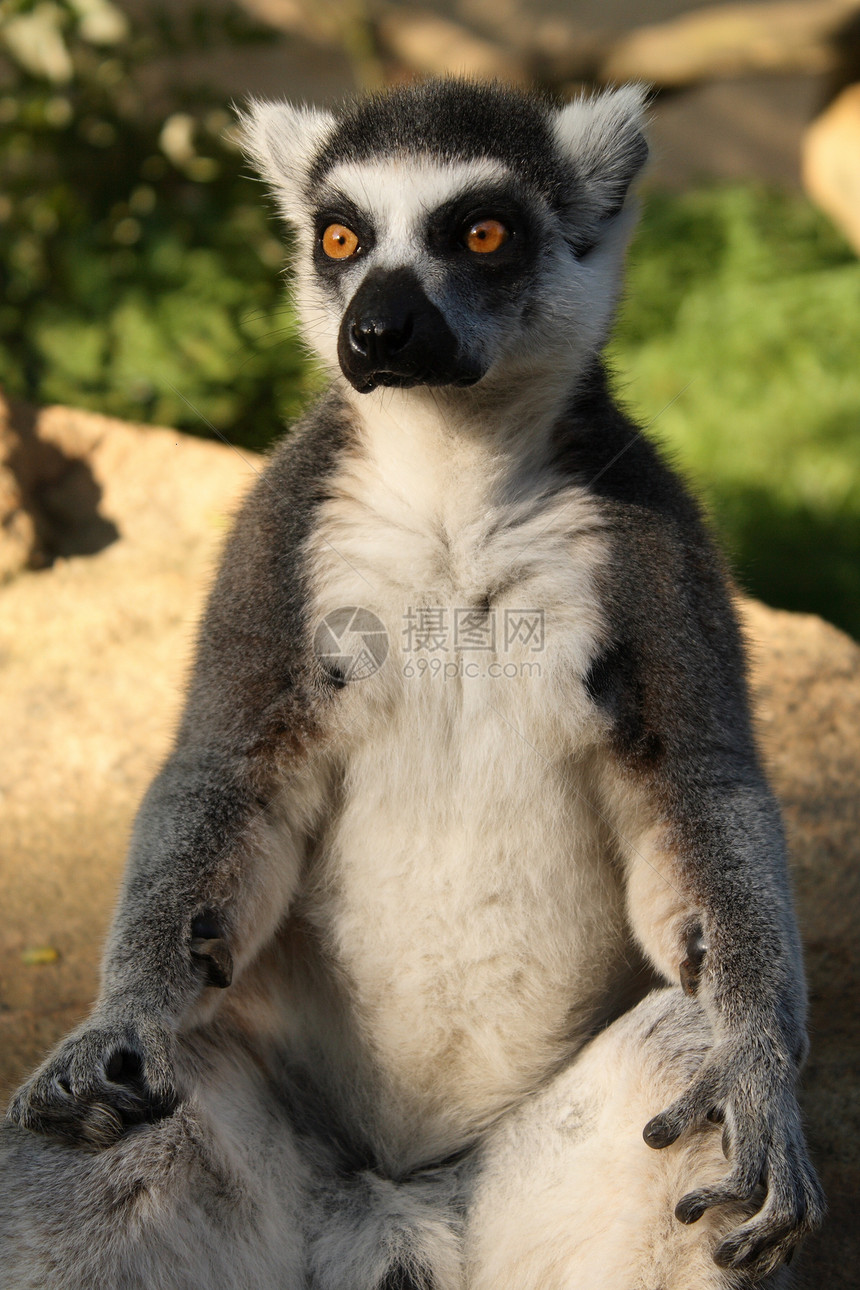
x=749 y=128
x=727 y=40
x=831 y=162
x=93 y=651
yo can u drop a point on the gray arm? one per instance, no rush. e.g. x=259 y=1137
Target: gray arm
x=218 y=843
x=709 y=897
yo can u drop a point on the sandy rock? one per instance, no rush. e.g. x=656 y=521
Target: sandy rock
x=20 y=542
x=807 y=690
x=730 y=40
x=93 y=651
x=432 y=45
x=831 y=162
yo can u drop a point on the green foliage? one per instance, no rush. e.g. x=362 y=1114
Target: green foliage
x=141 y=279
x=740 y=339
x=141 y=268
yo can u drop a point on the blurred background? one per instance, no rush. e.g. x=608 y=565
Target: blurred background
x=141 y=264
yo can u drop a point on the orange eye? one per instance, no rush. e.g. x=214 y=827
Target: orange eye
x=486 y=235
x=339 y=242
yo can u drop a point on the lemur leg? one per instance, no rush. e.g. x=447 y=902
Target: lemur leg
x=569 y=1196
x=211 y=1196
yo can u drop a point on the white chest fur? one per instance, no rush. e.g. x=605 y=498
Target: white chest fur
x=464 y=887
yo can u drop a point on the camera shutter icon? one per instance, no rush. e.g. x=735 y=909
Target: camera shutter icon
x=351 y=643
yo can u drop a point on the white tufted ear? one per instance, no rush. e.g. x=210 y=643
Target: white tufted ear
x=282 y=141
x=603 y=140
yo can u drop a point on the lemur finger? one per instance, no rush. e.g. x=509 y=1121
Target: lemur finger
x=745 y=1183
x=93 y=1125
x=692 y=1108
x=761 y=1245
x=795 y=1206
x=691 y=1207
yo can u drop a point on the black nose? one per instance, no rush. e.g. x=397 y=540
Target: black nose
x=392 y=334
x=379 y=333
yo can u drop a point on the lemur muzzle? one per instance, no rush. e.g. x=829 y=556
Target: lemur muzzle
x=391 y=334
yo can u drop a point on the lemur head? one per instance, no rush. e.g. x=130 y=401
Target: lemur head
x=452 y=233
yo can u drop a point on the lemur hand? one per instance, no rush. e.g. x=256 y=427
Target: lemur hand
x=106 y=1076
x=752 y=1091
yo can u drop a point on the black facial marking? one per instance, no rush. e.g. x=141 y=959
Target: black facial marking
x=449 y=223
x=491 y=281
x=453 y=120
x=391 y=334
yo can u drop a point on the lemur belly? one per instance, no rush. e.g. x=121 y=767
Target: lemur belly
x=463 y=916
x=463 y=889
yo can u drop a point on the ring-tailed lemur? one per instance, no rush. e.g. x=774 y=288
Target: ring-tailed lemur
x=466 y=767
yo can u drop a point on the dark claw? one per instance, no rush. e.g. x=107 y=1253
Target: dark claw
x=689 y=1209
x=757 y=1257
x=133 y=1100
x=689 y=977
x=658 y=1133
x=729 y=1253
x=725 y=1255
x=158 y=1107
x=691 y=968
x=214 y=957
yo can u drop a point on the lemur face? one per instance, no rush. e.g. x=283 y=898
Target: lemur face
x=426 y=267
x=452 y=234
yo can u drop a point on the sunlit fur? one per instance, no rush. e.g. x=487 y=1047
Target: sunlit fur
x=453 y=895
x=536 y=346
